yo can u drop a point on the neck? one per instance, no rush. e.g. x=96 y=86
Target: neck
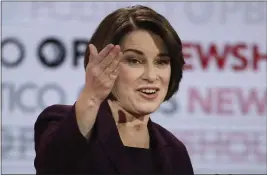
x=123 y=117
x=132 y=129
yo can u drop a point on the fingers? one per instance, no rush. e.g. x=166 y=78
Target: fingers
x=93 y=50
x=104 y=53
x=114 y=70
x=111 y=56
x=111 y=70
x=93 y=54
x=113 y=67
x=107 y=60
x=98 y=57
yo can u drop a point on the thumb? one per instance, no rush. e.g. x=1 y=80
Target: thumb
x=92 y=54
x=93 y=50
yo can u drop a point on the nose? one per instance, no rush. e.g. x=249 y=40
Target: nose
x=150 y=73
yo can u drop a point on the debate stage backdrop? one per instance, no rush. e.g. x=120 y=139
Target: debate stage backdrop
x=219 y=112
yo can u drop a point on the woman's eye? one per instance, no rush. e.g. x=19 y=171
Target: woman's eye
x=163 y=62
x=133 y=61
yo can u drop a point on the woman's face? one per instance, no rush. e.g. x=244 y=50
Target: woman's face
x=144 y=73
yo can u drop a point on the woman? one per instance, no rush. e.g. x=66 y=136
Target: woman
x=108 y=129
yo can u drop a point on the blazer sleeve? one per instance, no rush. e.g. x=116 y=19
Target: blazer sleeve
x=187 y=164
x=57 y=138
x=181 y=156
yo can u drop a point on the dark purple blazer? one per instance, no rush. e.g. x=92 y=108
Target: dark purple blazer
x=62 y=149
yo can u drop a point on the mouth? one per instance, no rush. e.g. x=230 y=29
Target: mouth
x=149 y=93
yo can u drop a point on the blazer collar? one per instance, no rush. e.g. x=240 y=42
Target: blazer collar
x=108 y=135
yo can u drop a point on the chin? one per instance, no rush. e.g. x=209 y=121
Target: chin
x=146 y=108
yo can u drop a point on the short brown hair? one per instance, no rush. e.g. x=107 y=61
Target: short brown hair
x=124 y=20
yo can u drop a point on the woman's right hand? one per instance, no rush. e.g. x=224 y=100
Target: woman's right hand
x=101 y=73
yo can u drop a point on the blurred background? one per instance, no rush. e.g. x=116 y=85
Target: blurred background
x=219 y=112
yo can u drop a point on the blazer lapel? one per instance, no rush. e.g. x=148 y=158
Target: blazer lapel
x=161 y=148
x=109 y=138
